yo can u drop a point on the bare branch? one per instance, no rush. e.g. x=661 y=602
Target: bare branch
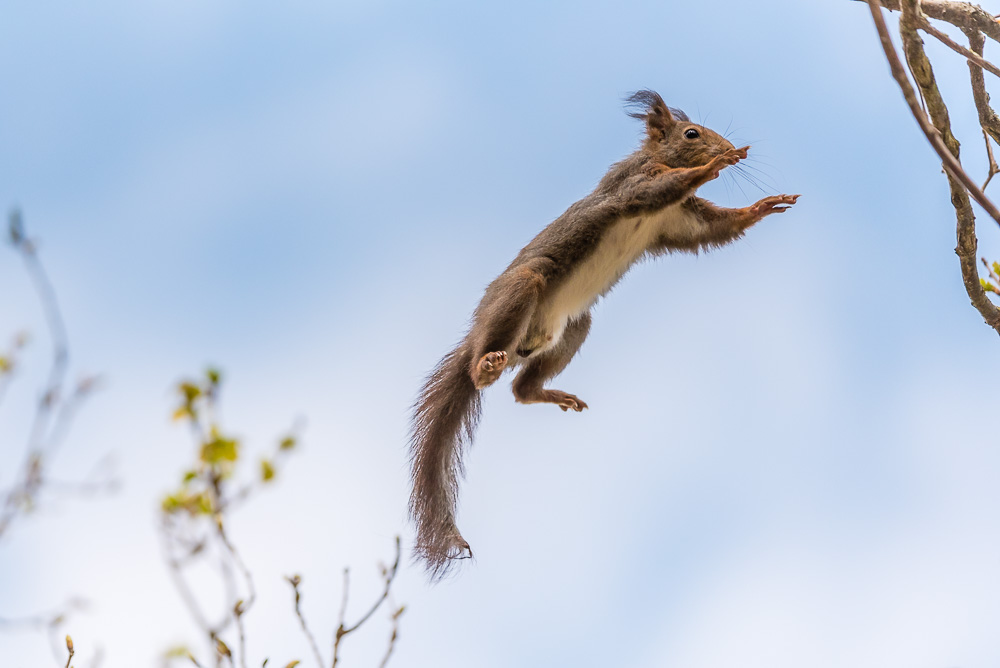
x=340 y=633
x=389 y=574
x=55 y=410
x=988 y=118
x=235 y=555
x=295 y=580
x=196 y=516
x=238 y=611
x=944 y=143
x=971 y=56
x=959 y=14
x=948 y=158
x=392 y=638
x=994 y=168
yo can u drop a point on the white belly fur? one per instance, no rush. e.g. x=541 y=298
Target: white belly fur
x=622 y=245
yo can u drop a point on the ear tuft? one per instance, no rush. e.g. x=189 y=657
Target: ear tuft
x=648 y=106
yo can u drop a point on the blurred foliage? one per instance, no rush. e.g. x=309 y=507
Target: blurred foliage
x=204 y=489
x=992 y=282
x=194 y=515
x=58 y=402
x=194 y=524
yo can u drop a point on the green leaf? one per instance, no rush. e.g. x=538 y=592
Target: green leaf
x=220 y=449
x=171 y=503
x=203 y=504
x=189 y=390
x=195 y=504
x=177 y=652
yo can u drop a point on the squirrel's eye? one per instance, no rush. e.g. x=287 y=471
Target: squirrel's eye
x=691 y=133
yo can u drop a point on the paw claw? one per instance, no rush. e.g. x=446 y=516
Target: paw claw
x=566 y=401
x=489 y=368
x=774 y=204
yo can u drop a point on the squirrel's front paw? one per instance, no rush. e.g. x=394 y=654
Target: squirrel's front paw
x=774 y=204
x=729 y=157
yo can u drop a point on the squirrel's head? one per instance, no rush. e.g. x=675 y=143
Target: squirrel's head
x=671 y=137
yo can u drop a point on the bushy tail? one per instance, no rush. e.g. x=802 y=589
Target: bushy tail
x=444 y=420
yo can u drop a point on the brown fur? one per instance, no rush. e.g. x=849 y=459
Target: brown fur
x=510 y=327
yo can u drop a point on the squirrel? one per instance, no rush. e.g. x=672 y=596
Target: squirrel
x=536 y=314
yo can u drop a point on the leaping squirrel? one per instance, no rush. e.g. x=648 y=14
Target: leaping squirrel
x=536 y=314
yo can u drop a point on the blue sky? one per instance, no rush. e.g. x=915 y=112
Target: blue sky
x=789 y=457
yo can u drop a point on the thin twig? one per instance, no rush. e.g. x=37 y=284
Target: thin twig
x=993 y=163
x=389 y=574
x=929 y=28
x=57 y=329
x=175 y=569
x=238 y=614
x=295 y=580
x=395 y=635
x=988 y=118
x=53 y=413
x=247 y=576
x=340 y=632
x=52 y=622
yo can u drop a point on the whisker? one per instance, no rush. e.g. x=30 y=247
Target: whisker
x=752 y=181
x=740 y=187
x=761 y=175
x=762 y=172
x=755 y=180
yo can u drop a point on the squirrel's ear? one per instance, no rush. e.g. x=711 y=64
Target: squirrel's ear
x=650 y=107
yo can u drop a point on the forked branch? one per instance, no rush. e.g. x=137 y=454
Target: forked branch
x=937 y=128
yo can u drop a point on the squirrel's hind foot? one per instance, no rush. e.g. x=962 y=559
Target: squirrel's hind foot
x=488 y=369
x=563 y=400
x=566 y=401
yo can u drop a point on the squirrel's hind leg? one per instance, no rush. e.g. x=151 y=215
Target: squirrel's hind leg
x=528 y=384
x=502 y=319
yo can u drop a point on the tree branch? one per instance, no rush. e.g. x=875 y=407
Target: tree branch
x=388 y=575
x=988 y=118
x=948 y=154
x=295 y=581
x=971 y=56
x=944 y=143
x=960 y=14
